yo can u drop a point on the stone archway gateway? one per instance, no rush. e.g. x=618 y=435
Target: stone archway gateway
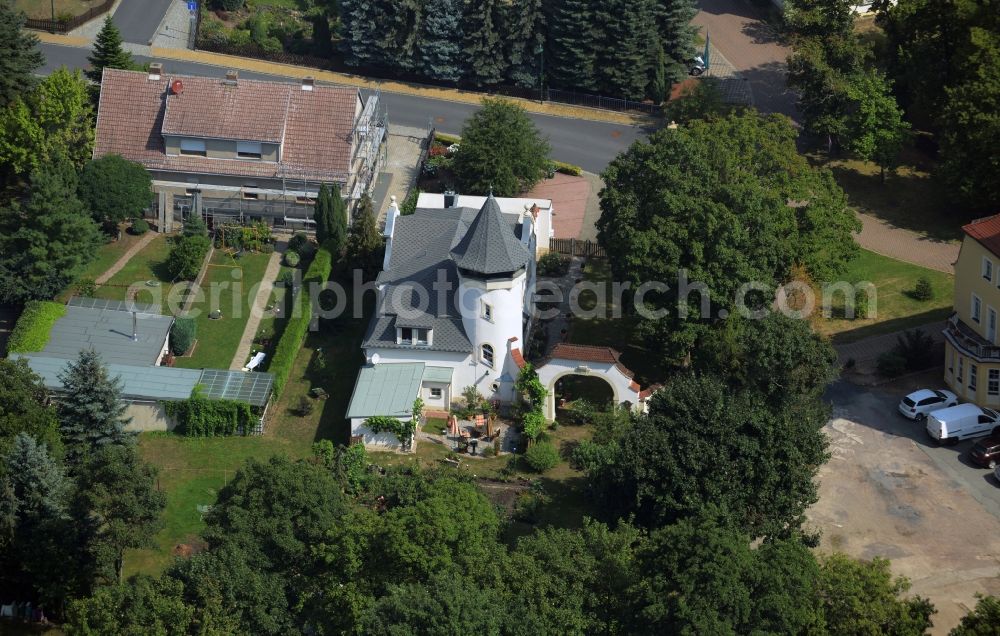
x=586 y=360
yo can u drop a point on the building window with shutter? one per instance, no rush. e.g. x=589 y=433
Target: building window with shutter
x=248 y=149
x=194 y=147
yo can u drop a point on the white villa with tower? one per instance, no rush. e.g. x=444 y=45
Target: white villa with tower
x=454 y=307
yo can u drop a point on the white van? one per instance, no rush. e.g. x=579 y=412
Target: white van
x=962 y=422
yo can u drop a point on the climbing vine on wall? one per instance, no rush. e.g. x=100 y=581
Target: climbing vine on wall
x=200 y=417
x=385 y=424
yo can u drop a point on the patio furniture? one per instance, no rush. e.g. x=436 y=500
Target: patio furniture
x=318 y=393
x=472 y=446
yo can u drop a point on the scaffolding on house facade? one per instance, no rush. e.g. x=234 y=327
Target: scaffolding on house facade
x=292 y=205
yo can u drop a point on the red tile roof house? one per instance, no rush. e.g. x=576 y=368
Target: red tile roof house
x=240 y=150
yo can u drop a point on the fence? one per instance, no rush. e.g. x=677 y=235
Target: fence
x=573 y=247
x=65 y=23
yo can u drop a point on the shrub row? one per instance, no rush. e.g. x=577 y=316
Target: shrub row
x=567 y=168
x=201 y=417
x=31 y=333
x=298 y=321
x=446 y=139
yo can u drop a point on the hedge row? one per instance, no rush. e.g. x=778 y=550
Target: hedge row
x=568 y=168
x=31 y=333
x=446 y=139
x=298 y=322
x=201 y=417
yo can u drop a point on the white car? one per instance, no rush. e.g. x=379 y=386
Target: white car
x=917 y=405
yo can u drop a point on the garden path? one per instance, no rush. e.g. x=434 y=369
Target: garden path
x=126 y=257
x=259 y=303
x=906 y=245
x=865 y=352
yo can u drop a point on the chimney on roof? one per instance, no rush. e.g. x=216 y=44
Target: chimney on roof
x=450 y=198
x=308 y=82
x=232 y=75
x=155 y=70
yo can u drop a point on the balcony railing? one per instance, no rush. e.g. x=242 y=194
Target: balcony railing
x=965 y=337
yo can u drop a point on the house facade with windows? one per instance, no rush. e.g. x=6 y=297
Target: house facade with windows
x=972 y=347
x=454 y=305
x=238 y=150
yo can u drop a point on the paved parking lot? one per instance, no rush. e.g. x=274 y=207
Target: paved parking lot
x=890 y=491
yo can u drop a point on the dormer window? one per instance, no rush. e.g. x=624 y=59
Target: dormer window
x=413 y=336
x=194 y=147
x=488 y=311
x=248 y=149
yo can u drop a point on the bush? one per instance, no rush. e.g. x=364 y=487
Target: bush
x=862 y=308
x=541 y=456
x=409 y=205
x=568 y=168
x=923 y=291
x=182 y=335
x=891 y=364
x=446 y=139
x=552 y=264
x=200 y=417
x=301 y=244
x=287 y=279
x=305 y=407
x=292 y=258
x=227 y=5
x=31 y=333
x=139 y=227
x=297 y=325
x=115 y=189
x=186 y=256
x=917 y=348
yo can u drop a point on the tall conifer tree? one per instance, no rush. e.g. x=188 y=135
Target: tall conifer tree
x=108 y=52
x=19 y=55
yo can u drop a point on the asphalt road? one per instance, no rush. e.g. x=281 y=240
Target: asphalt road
x=588 y=144
x=138 y=19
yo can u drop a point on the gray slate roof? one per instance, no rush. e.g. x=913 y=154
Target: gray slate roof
x=489 y=247
x=421 y=252
x=109 y=332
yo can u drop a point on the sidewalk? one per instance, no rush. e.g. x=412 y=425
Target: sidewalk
x=260 y=302
x=126 y=257
x=865 y=352
x=905 y=245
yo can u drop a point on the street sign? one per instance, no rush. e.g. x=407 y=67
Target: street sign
x=192 y=6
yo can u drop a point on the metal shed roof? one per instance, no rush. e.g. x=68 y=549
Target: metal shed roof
x=138 y=382
x=438 y=374
x=109 y=332
x=386 y=389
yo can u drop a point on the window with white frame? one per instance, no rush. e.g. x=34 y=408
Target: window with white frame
x=993 y=382
x=248 y=149
x=488 y=311
x=991 y=324
x=194 y=147
x=977 y=308
x=436 y=394
x=973 y=373
x=413 y=336
x=958 y=377
x=987 y=269
x=486 y=352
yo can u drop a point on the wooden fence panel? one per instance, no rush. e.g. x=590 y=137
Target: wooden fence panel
x=574 y=247
x=65 y=26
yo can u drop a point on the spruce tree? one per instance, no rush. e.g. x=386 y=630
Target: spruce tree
x=46 y=239
x=676 y=36
x=362 y=25
x=321 y=214
x=91 y=411
x=336 y=223
x=628 y=31
x=571 y=49
x=524 y=29
x=365 y=241
x=19 y=55
x=482 y=47
x=108 y=52
x=34 y=479
x=441 y=40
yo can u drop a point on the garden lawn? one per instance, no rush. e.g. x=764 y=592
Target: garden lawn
x=910 y=199
x=191 y=472
x=618 y=333
x=42 y=9
x=106 y=256
x=149 y=264
x=217 y=340
x=895 y=308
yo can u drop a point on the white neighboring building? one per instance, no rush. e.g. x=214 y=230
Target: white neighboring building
x=455 y=302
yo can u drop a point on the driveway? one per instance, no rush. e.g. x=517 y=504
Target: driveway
x=737 y=30
x=889 y=491
x=138 y=19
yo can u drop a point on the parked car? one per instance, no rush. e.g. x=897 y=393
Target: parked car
x=696 y=66
x=962 y=422
x=919 y=404
x=986 y=452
